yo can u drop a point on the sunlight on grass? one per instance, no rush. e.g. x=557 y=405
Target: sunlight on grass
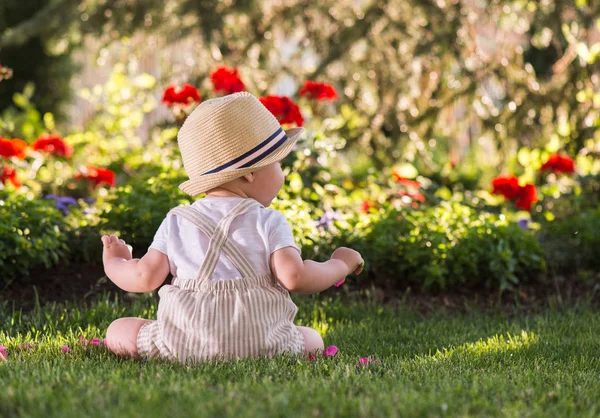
x=495 y=344
x=318 y=321
x=473 y=365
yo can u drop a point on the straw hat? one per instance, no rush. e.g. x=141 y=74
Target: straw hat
x=228 y=137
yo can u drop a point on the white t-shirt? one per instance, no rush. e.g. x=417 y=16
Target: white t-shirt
x=257 y=233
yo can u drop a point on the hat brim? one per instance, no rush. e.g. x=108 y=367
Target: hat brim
x=197 y=186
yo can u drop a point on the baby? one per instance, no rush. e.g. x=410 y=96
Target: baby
x=233 y=261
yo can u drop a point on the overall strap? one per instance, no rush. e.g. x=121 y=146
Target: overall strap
x=218 y=238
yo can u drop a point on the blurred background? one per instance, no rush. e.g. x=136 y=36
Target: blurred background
x=454 y=142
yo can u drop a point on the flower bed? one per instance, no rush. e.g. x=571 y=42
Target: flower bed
x=61 y=193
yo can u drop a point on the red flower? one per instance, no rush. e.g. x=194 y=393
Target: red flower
x=12 y=148
x=97 y=175
x=318 y=91
x=527 y=196
x=182 y=96
x=227 y=80
x=53 y=144
x=405 y=181
x=559 y=164
x=506 y=185
x=10 y=175
x=366 y=205
x=416 y=196
x=283 y=109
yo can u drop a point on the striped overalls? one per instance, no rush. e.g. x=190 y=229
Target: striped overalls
x=203 y=319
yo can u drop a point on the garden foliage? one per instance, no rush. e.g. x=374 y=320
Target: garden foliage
x=429 y=232
x=572 y=244
x=32 y=233
x=451 y=245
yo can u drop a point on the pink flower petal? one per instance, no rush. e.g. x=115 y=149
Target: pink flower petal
x=65 y=349
x=311 y=357
x=82 y=340
x=3 y=353
x=95 y=341
x=363 y=361
x=330 y=351
x=338 y=284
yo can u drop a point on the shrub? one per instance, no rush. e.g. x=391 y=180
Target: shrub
x=571 y=244
x=139 y=207
x=298 y=213
x=436 y=248
x=32 y=233
x=450 y=245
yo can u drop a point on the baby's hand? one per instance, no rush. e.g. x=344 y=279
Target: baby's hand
x=115 y=247
x=352 y=259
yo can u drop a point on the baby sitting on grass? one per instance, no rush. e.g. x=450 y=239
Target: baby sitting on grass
x=233 y=261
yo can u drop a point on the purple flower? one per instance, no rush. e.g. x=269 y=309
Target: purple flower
x=523 y=223
x=89 y=200
x=327 y=219
x=62 y=202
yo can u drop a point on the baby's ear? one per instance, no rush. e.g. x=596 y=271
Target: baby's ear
x=249 y=177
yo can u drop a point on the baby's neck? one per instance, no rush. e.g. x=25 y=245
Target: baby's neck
x=225 y=193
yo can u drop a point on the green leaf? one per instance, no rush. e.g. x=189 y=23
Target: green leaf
x=524 y=156
x=49 y=121
x=145 y=81
x=20 y=100
x=407 y=170
x=295 y=182
x=582 y=51
x=29 y=90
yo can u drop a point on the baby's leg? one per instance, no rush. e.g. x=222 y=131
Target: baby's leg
x=121 y=336
x=312 y=340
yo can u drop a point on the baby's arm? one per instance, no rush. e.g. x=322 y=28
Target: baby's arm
x=307 y=276
x=133 y=274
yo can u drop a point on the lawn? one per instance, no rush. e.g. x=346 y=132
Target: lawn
x=467 y=364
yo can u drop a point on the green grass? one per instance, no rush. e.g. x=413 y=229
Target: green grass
x=544 y=364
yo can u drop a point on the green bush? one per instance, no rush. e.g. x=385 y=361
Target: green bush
x=451 y=245
x=436 y=248
x=571 y=244
x=32 y=233
x=298 y=214
x=139 y=207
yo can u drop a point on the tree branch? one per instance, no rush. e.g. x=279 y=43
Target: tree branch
x=38 y=23
x=348 y=36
